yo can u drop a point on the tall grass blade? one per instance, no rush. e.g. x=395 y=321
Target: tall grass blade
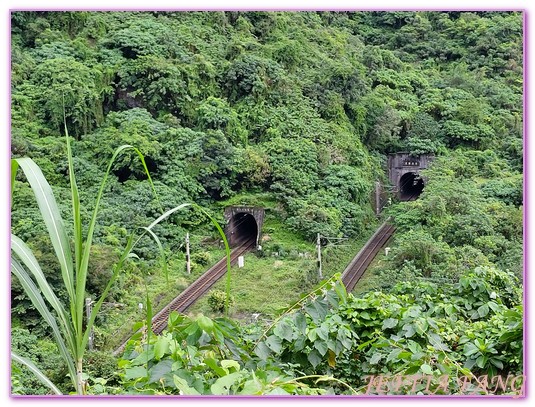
x=162 y=252
x=25 y=254
x=52 y=217
x=35 y=370
x=37 y=300
x=81 y=277
x=77 y=219
x=127 y=253
x=168 y=213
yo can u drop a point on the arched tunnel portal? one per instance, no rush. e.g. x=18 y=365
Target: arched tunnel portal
x=411 y=186
x=244 y=224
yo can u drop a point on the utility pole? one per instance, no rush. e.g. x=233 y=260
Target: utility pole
x=318 y=245
x=188 y=261
x=88 y=316
x=377 y=198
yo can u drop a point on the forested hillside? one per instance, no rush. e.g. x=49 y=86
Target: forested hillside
x=296 y=112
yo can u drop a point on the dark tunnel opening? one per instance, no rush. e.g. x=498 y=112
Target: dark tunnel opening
x=243 y=229
x=411 y=186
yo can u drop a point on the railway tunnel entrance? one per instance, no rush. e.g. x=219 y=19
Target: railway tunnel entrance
x=244 y=229
x=244 y=224
x=404 y=173
x=411 y=186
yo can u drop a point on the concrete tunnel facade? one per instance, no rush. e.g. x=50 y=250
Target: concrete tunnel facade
x=404 y=173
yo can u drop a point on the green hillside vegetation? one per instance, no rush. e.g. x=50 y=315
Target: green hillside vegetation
x=295 y=112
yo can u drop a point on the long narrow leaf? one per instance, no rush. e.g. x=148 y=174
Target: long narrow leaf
x=33 y=293
x=96 y=308
x=168 y=213
x=36 y=371
x=81 y=277
x=25 y=254
x=162 y=252
x=77 y=219
x=51 y=215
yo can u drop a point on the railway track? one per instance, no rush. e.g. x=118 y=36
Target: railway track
x=192 y=293
x=365 y=256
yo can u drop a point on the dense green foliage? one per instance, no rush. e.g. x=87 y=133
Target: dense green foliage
x=470 y=328
x=296 y=110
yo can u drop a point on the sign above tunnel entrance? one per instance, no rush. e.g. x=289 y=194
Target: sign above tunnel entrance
x=243 y=224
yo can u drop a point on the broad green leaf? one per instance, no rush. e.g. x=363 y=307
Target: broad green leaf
x=321 y=347
x=133 y=373
x=143 y=358
x=426 y=369
x=299 y=343
x=212 y=364
x=409 y=330
x=300 y=321
x=470 y=349
x=262 y=351
x=449 y=309
x=389 y=323
x=481 y=361
x=340 y=289
x=277 y=391
x=36 y=371
x=483 y=310
x=251 y=387
x=393 y=356
x=223 y=385
x=159 y=370
x=436 y=341
x=230 y=364
x=376 y=357
x=323 y=332
x=312 y=335
x=412 y=369
x=314 y=358
x=161 y=347
x=317 y=310
x=206 y=324
x=496 y=362
x=284 y=331
x=274 y=343
x=183 y=387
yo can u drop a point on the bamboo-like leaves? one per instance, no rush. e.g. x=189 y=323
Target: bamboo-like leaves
x=72 y=338
x=81 y=277
x=25 y=254
x=74 y=271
